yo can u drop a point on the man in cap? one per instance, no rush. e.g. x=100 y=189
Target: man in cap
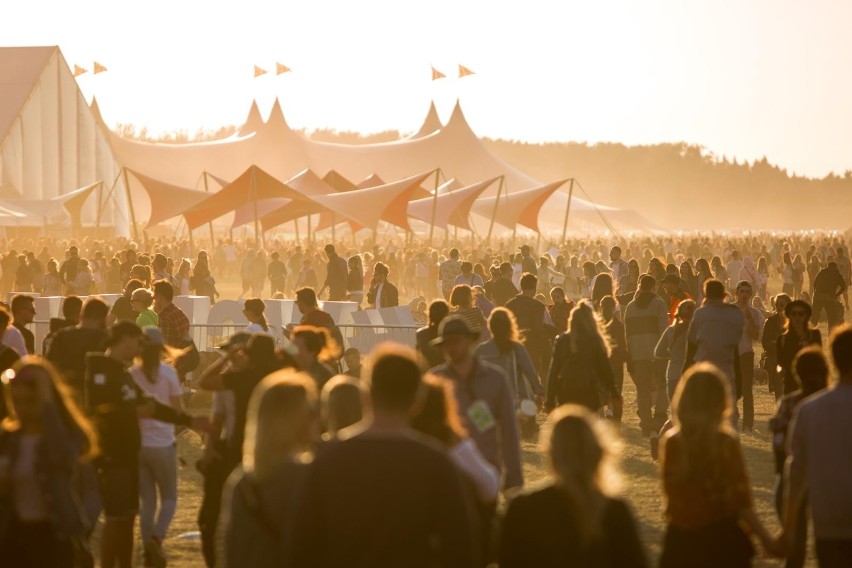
x=382 y=293
x=485 y=404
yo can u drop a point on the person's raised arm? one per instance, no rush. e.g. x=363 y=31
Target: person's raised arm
x=212 y=377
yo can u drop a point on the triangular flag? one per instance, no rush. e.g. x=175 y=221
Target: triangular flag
x=99 y=68
x=280 y=69
x=79 y=70
x=258 y=71
x=437 y=74
x=464 y=71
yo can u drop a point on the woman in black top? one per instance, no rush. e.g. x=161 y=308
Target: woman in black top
x=574 y=521
x=432 y=355
x=797 y=335
x=580 y=372
x=772 y=329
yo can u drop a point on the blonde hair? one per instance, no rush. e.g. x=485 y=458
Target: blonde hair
x=702 y=406
x=586 y=328
x=69 y=411
x=583 y=455
x=278 y=421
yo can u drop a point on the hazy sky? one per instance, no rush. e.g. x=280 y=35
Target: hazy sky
x=744 y=78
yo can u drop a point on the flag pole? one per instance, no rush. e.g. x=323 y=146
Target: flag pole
x=567 y=210
x=494 y=213
x=130 y=205
x=434 y=206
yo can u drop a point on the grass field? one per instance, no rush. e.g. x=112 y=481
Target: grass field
x=642 y=486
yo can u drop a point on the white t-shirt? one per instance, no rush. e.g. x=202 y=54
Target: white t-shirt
x=156 y=434
x=13 y=338
x=255 y=328
x=746 y=342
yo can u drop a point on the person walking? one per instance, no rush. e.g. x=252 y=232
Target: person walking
x=430 y=353
x=705 y=481
x=810 y=371
x=820 y=463
x=580 y=372
x=448 y=271
x=158 y=472
x=382 y=293
x=336 y=275
x=276 y=271
x=645 y=320
x=576 y=519
x=754 y=321
x=773 y=327
x=260 y=496
x=829 y=286
x=798 y=334
x=672 y=345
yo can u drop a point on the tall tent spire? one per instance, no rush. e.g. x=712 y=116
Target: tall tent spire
x=430 y=124
x=253 y=121
x=276 y=116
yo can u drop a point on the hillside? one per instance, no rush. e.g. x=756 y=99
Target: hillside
x=678 y=186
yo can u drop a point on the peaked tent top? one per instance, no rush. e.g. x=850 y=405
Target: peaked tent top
x=430 y=124
x=253 y=121
x=20 y=70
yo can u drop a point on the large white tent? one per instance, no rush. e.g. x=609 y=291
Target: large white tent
x=50 y=144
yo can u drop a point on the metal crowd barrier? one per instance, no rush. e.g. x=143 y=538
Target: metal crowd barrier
x=208 y=336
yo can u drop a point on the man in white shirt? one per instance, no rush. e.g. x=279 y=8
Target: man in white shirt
x=733 y=267
x=754 y=321
x=618 y=264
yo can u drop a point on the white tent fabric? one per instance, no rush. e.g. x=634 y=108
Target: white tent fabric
x=451 y=207
x=50 y=139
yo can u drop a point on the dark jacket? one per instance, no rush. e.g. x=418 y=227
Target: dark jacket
x=432 y=354
x=787 y=347
x=579 y=376
x=335 y=279
x=529 y=314
x=389 y=299
x=503 y=291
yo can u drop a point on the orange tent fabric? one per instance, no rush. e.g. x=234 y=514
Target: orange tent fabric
x=518 y=208
x=451 y=207
x=253 y=185
x=167 y=200
x=394 y=197
x=307 y=184
x=340 y=184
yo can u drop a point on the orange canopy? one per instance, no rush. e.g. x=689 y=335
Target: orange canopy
x=252 y=185
x=451 y=207
x=518 y=208
x=167 y=200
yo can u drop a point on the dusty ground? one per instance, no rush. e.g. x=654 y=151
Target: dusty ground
x=642 y=486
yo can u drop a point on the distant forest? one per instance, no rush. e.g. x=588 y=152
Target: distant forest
x=676 y=185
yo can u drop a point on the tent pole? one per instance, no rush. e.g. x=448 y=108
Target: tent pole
x=494 y=214
x=434 y=207
x=310 y=223
x=130 y=205
x=100 y=203
x=296 y=224
x=258 y=236
x=567 y=210
x=209 y=223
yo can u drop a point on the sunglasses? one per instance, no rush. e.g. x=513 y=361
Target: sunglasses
x=797 y=313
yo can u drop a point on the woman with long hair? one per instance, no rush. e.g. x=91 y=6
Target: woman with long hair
x=705 y=479
x=702 y=275
x=629 y=283
x=316 y=352
x=798 y=334
x=52 y=282
x=461 y=300
x=182 y=277
x=810 y=371
x=201 y=280
x=672 y=344
x=258 y=500
x=773 y=327
x=720 y=273
x=688 y=279
x=158 y=455
x=44 y=441
x=253 y=309
x=614 y=329
x=576 y=520
x=580 y=372
x=506 y=351
x=786 y=270
x=762 y=278
x=799 y=270
x=601 y=287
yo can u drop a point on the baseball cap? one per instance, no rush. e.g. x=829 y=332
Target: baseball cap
x=453 y=325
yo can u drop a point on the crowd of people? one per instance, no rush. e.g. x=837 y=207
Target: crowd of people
x=414 y=457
